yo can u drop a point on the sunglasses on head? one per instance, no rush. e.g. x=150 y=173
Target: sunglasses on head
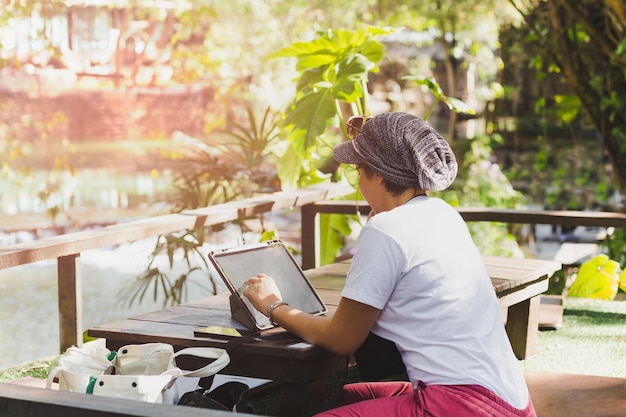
x=354 y=125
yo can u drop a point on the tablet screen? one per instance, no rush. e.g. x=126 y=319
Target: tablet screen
x=237 y=265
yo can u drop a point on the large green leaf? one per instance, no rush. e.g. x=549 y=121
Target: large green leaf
x=298 y=49
x=312 y=113
x=374 y=51
x=330 y=243
x=289 y=168
x=351 y=74
x=296 y=171
x=457 y=105
x=429 y=82
x=309 y=79
x=314 y=61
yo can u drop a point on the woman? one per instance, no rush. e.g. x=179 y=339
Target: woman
x=416 y=279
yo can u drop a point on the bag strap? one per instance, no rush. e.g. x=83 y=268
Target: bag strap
x=51 y=376
x=222 y=359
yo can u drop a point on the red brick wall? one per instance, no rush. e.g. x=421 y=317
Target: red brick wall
x=115 y=114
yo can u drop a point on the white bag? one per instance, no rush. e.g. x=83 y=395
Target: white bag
x=76 y=366
x=142 y=372
x=147 y=388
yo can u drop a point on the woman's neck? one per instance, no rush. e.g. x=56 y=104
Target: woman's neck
x=407 y=196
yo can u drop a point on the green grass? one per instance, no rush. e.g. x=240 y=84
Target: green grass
x=591 y=341
x=36 y=369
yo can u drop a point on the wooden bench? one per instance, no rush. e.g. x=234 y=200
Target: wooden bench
x=569 y=395
x=26 y=401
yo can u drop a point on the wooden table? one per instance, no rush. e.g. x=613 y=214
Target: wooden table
x=300 y=368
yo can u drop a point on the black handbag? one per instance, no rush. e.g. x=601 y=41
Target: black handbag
x=230 y=396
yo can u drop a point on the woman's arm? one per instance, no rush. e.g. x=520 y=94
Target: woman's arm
x=342 y=333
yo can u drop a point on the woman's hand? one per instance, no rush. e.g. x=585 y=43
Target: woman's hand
x=262 y=292
x=342 y=333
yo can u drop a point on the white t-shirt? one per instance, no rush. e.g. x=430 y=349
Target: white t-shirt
x=418 y=264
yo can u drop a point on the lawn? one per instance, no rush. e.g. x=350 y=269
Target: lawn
x=591 y=341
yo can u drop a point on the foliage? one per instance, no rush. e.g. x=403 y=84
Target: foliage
x=205 y=175
x=52 y=193
x=324 y=84
x=616 y=246
x=481 y=183
x=564 y=175
x=455 y=105
x=584 y=42
x=598 y=278
x=39 y=369
x=333 y=74
x=333 y=69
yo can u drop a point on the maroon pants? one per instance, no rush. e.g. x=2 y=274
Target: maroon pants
x=395 y=398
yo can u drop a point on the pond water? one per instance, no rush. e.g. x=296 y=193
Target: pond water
x=101 y=188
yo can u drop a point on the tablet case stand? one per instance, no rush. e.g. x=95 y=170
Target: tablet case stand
x=239 y=313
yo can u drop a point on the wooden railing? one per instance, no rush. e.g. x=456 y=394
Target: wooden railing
x=68 y=247
x=310 y=230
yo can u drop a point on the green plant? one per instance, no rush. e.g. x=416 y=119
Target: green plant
x=331 y=85
x=600 y=277
x=206 y=174
x=333 y=72
x=454 y=104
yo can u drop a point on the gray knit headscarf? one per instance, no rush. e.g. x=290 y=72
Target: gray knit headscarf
x=404 y=150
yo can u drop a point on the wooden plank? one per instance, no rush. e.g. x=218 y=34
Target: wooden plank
x=522 y=216
x=219 y=302
x=191 y=316
x=565 y=394
x=559 y=217
x=516 y=276
x=519 y=268
x=132 y=331
x=518 y=294
x=22 y=401
x=500 y=285
x=570 y=253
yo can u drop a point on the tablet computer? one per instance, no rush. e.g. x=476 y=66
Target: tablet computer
x=236 y=265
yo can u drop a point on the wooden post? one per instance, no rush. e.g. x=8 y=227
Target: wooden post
x=522 y=326
x=310 y=225
x=70 y=301
x=309 y=236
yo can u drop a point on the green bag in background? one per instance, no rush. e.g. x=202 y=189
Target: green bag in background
x=598 y=278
